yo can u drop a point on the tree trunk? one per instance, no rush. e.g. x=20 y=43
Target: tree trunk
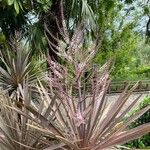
x=148 y=31
x=51 y=19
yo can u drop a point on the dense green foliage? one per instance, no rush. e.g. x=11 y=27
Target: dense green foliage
x=117 y=24
x=143 y=142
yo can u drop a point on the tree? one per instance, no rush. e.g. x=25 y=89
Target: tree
x=115 y=22
x=48 y=12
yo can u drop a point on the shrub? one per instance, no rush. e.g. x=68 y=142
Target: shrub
x=143 y=142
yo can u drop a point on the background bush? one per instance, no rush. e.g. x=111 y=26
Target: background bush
x=143 y=142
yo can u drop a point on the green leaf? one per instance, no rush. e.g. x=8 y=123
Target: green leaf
x=10 y=2
x=16 y=6
x=129 y=1
x=20 y=5
x=146 y=10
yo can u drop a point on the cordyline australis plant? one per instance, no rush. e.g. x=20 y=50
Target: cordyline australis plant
x=80 y=118
x=73 y=112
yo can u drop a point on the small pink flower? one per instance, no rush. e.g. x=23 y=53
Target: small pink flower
x=79 y=118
